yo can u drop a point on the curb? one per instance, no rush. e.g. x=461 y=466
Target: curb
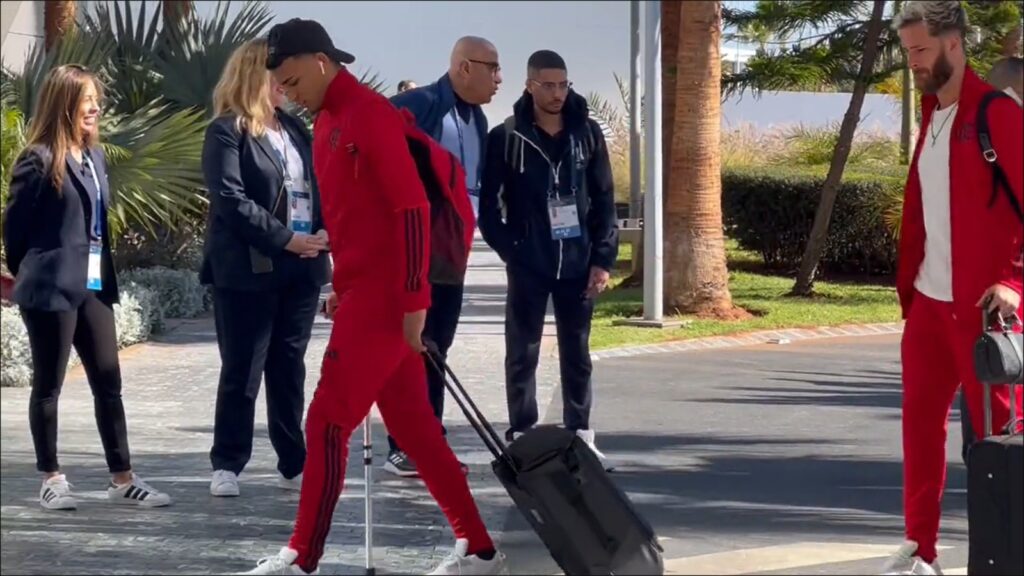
x=784 y=336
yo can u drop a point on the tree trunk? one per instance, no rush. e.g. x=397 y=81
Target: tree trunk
x=1012 y=42
x=58 y=21
x=176 y=11
x=671 y=12
x=909 y=125
x=696 y=277
x=819 y=231
x=909 y=119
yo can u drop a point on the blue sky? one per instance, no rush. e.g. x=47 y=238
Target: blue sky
x=400 y=39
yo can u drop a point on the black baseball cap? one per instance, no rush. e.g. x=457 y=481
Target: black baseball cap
x=297 y=37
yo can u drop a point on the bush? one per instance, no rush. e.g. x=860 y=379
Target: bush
x=771 y=211
x=135 y=318
x=178 y=291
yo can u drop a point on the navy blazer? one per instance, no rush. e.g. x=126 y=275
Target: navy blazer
x=46 y=233
x=244 y=248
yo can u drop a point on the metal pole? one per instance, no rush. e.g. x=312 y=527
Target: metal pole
x=653 y=248
x=635 y=65
x=368 y=479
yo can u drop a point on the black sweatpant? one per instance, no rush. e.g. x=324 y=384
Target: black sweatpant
x=90 y=329
x=527 y=303
x=441 y=324
x=262 y=334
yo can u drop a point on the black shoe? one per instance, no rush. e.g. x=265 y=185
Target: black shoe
x=400 y=465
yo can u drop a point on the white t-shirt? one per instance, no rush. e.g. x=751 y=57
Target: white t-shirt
x=935 y=277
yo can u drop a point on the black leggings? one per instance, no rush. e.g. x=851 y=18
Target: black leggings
x=50 y=335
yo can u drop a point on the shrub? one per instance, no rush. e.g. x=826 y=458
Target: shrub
x=135 y=318
x=178 y=291
x=771 y=211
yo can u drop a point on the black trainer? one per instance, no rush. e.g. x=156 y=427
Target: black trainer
x=400 y=465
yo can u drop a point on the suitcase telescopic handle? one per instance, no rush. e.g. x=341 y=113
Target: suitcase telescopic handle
x=476 y=418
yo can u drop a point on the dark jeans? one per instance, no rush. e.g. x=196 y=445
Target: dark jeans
x=524 y=325
x=90 y=329
x=442 y=322
x=262 y=334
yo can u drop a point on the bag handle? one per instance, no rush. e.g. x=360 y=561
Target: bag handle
x=476 y=418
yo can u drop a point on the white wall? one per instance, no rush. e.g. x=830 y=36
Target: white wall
x=22 y=25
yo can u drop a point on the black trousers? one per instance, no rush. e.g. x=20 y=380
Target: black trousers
x=442 y=322
x=262 y=334
x=524 y=325
x=90 y=329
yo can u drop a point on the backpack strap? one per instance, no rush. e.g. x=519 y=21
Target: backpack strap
x=985 y=142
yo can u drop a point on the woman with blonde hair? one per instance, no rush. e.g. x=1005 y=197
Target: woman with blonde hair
x=265 y=257
x=58 y=248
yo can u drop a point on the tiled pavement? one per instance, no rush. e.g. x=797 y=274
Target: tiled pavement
x=169 y=391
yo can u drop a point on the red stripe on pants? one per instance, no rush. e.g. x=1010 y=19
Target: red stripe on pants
x=937 y=353
x=367 y=361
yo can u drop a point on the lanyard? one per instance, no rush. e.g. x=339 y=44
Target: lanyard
x=458 y=129
x=283 y=154
x=97 y=205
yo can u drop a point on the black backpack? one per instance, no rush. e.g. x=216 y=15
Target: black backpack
x=985 y=141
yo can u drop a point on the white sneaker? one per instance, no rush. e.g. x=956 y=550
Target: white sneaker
x=137 y=493
x=458 y=564
x=283 y=563
x=224 y=483
x=903 y=561
x=292 y=484
x=55 y=494
x=588 y=438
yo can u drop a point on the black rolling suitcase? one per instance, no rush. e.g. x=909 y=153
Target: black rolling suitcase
x=995 y=488
x=586 y=522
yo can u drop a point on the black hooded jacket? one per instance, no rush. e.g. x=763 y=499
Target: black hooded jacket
x=519 y=179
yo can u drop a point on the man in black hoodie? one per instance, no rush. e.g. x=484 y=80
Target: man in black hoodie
x=547 y=208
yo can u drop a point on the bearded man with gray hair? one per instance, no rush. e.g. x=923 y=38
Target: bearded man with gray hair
x=959 y=253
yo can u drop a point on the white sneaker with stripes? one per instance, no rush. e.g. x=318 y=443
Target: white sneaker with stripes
x=55 y=494
x=137 y=493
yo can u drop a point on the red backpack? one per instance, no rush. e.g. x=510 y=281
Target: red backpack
x=451 y=213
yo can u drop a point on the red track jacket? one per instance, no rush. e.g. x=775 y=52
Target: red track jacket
x=987 y=240
x=374 y=206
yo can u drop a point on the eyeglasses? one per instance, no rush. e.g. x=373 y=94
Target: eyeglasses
x=493 y=67
x=552 y=86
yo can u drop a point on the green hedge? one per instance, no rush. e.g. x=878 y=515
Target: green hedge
x=770 y=210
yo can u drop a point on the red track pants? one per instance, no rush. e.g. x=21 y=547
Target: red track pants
x=367 y=361
x=937 y=352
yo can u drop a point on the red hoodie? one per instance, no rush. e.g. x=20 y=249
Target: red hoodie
x=986 y=240
x=374 y=206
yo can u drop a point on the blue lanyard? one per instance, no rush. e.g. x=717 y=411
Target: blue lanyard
x=97 y=205
x=458 y=129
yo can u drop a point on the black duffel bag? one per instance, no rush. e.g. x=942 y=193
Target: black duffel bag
x=999 y=352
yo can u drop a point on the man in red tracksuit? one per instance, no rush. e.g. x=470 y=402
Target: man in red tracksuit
x=377 y=216
x=960 y=251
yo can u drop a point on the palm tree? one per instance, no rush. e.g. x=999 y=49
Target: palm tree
x=819 y=230
x=158 y=85
x=696 y=276
x=175 y=12
x=58 y=20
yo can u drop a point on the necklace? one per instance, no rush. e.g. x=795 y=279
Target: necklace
x=949 y=114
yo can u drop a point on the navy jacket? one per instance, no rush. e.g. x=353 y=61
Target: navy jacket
x=431 y=103
x=244 y=248
x=514 y=216
x=46 y=233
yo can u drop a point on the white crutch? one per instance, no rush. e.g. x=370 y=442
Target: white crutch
x=368 y=478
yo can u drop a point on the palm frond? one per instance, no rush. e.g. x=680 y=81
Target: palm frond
x=90 y=51
x=197 y=53
x=374 y=81
x=155 y=167
x=134 y=82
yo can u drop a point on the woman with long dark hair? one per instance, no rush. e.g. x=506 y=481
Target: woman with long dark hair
x=58 y=248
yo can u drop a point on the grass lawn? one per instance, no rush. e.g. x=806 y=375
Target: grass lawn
x=760 y=293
